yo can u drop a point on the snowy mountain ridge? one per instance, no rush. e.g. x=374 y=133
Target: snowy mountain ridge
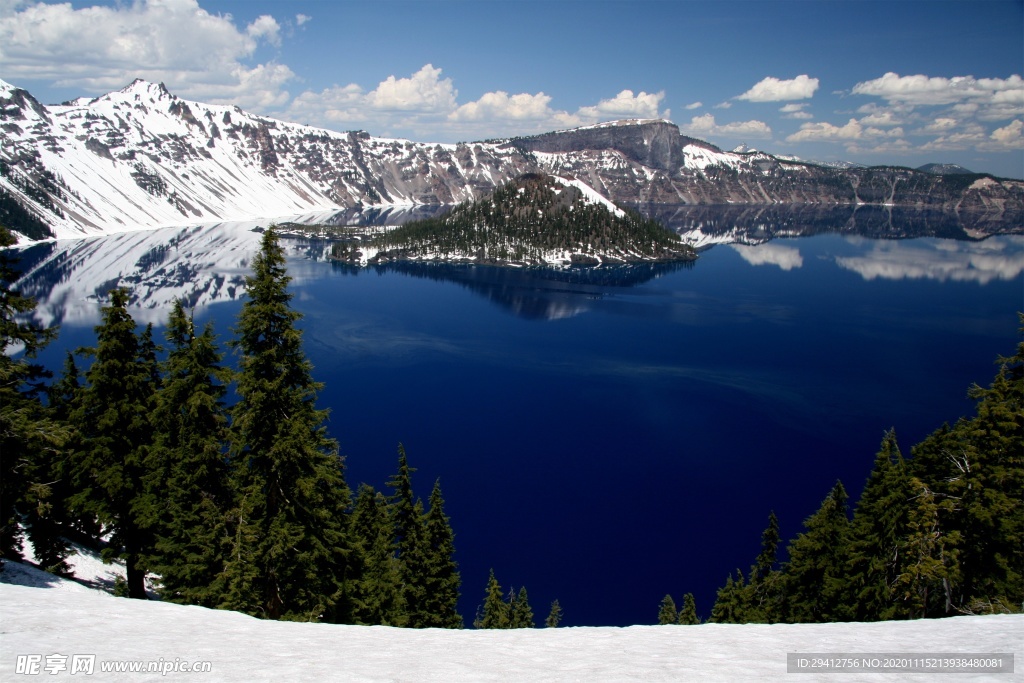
x=142 y=158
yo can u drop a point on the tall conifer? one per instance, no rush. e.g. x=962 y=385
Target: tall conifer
x=441 y=578
x=688 y=612
x=667 y=613
x=113 y=418
x=290 y=552
x=189 y=465
x=815 y=576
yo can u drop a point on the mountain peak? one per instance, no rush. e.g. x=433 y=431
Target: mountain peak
x=147 y=89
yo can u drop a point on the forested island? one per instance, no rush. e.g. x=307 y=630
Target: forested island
x=533 y=220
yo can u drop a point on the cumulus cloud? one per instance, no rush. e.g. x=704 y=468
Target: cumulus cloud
x=424 y=91
x=100 y=48
x=773 y=89
x=694 y=105
x=853 y=130
x=706 y=126
x=924 y=90
x=796 y=111
x=626 y=105
x=1009 y=137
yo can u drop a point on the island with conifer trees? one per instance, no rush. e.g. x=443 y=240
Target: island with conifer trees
x=534 y=220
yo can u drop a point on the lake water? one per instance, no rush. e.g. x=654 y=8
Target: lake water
x=605 y=437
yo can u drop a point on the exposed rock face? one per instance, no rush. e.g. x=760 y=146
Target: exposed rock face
x=143 y=158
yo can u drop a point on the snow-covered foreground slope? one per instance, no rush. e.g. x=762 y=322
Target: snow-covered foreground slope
x=65 y=618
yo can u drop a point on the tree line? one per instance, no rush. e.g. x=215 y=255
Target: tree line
x=938 y=534
x=242 y=506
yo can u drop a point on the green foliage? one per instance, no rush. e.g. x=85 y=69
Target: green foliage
x=688 y=612
x=667 y=613
x=441 y=573
x=115 y=430
x=289 y=553
x=520 y=614
x=554 y=617
x=410 y=543
x=188 y=465
x=28 y=437
x=495 y=611
x=815 y=576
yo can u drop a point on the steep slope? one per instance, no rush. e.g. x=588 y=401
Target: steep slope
x=141 y=158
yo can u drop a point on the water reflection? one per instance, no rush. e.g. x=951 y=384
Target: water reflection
x=204 y=265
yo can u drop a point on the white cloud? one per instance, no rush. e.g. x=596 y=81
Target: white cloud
x=626 y=105
x=1002 y=95
x=501 y=105
x=267 y=28
x=694 y=105
x=301 y=19
x=705 y=125
x=773 y=89
x=796 y=111
x=1009 y=137
x=853 y=130
x=101 y=48
x=425 y=91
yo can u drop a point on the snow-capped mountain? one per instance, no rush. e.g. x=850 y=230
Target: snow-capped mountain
x=142 y=158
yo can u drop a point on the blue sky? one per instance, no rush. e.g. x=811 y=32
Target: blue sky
x=901 y=82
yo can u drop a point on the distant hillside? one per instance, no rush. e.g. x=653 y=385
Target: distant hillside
x=945 y=169
x=534 y=220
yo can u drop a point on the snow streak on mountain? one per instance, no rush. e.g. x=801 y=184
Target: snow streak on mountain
x=142 y=158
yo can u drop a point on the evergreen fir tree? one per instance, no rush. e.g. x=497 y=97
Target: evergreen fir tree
x=441 y=577
x=730 y=605
x=929 y=555
x=27 y=435
x=409 y=535
x=763 y=594
x=290 y=550
x=876 y=532
x=495 y=612
x=554 y=616
x=113 y=419
x=688 y=612
x=378 y=596
x=519 y=610
x=667 y=613
x=815 y=576
x=188 y=466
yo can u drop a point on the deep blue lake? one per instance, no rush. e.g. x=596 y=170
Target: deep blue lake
x=607 y=437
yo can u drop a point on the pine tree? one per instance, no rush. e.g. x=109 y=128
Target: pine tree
x=377 y=595
x=188 y=465
x=688 y=612
x=290 y=550
x=730 y=605
x=876 y=532
x=27 y=435
x=519 y=610
x=113 y=418
x=441 y=578
x=815 y=576
x=763 y=594
x=554 y=616
x=409 y=534
x=495 y=612
x=667 y=613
